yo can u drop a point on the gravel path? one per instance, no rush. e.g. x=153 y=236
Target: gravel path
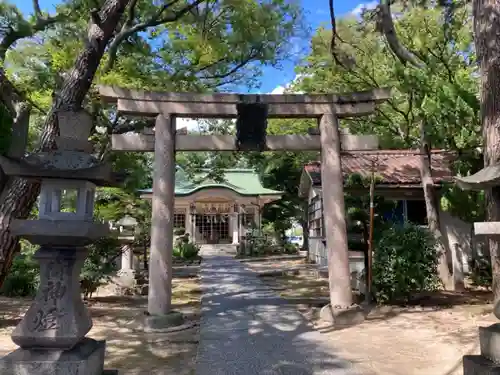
x=247 y=329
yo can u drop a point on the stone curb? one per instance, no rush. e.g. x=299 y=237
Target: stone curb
x=271 y=258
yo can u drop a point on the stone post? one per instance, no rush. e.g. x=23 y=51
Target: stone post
x=162 y=236
x=257 y=220
x=334 y=213
x=127 y=270
x=234 y=228
x=241 y=227
x=187 y=222
x=127 y=258
x=127 y=226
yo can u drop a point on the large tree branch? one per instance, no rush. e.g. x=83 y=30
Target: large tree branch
x=245 y=60
x=19 y=136
x=9 y=95
x=159 y=18
x=36 y=9
x=386 y=25
x=41 y=23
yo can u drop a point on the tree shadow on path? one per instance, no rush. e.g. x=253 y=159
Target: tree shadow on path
x=247 y=329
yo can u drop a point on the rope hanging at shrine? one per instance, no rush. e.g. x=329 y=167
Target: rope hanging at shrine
x=251 y=126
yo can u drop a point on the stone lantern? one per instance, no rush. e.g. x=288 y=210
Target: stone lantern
x=488 y=362
x=51 y=336
x=127 y=226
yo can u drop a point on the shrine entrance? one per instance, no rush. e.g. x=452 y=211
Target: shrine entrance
x=251 y=112
x=212 y=228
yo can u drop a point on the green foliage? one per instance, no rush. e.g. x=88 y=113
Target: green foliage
x=282 y=171
x=357 y=201
x=24 y=277
x=444 y=94
x=99 y=264
x=481 y=272
x=405 y=262
x=186 y=250
x=212 y=163
x=291 y=248
x=467 y=205
x=218 y=43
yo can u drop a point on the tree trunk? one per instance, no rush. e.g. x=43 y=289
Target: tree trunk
x=432 y=208
x=305 y=228
x=145 y=257
x=366 y=240
x=19 y=195
x=486 y=31
x=305 y=235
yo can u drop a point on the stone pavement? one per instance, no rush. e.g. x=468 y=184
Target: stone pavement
x=247 y=329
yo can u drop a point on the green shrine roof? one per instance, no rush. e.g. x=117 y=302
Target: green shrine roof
x=241 y=181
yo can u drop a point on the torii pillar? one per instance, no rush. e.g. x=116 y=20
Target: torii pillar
x=162 y=220
x=332 y=186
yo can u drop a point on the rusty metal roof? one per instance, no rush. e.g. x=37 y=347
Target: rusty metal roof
x=400 y=167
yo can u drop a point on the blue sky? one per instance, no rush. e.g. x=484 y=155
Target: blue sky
x=316 y=12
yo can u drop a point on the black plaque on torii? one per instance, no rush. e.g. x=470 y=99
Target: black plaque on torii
x=251 y=124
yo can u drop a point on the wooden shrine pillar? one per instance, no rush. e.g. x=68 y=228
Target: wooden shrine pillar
x=162 y=220
x=334 y=212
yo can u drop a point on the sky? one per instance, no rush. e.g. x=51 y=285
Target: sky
x=273 y=80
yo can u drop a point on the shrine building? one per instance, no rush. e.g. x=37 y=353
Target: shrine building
x=218 y=212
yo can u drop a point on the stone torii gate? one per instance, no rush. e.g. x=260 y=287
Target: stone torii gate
x=166 y=107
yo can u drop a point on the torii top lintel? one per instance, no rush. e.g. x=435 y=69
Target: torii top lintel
x=223 y=105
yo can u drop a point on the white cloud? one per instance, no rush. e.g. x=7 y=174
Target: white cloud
x=287 y=88
x=364 y=6
x=278 y=90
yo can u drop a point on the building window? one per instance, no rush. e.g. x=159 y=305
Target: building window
x=179 y=221
x=416 y=212
x=316 y=217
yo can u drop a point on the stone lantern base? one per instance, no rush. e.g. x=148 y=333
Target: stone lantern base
x=488 y=363
x=87 y=357
x=52 y=333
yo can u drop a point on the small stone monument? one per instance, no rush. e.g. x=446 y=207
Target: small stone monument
x=51 y=336
x=127 y=226
x=488 y=362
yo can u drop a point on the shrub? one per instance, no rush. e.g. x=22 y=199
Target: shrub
x=24 y=276
x=291 y=248
x=480 y=271
x=186 y=250
x=99 y=264
x=405 y=261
